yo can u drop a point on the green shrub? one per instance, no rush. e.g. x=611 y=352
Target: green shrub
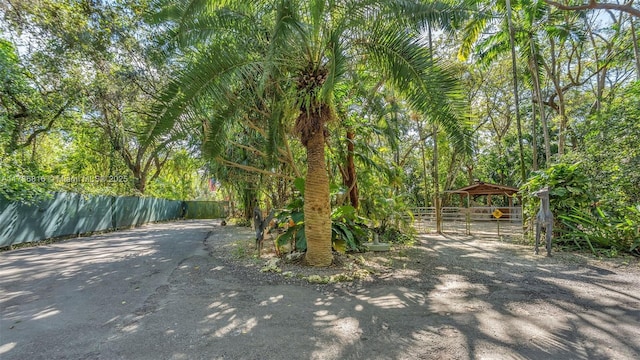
x=579 y=221
x=601 y=230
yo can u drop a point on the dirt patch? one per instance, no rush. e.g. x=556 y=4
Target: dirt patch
x=241 y=253
x=401 y=262
x=458 y=297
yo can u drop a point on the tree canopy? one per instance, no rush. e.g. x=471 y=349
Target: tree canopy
x=377 y=105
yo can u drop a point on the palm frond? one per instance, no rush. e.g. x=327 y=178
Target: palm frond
x=186 y=27
x=492 y=48
x=472 y=32
x=289 y=30
x=429 y=87
x=210 y=76
x=337 y=64
x=216 y=134
x=442 y=15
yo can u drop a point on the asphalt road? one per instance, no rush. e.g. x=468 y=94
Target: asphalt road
x=73 y=299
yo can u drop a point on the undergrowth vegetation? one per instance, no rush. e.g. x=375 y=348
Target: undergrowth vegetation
x=583 y=221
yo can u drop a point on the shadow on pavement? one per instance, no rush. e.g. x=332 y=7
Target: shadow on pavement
x=450 y=298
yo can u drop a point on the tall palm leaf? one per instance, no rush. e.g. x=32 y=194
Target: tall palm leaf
x=284 y=60
x=529 y=17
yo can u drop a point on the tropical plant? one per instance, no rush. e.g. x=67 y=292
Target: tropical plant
x=22 y=185
x=281 y=61
x=600 y=230
x=610 y=155
x=568 y=193
x=568 y=186
x=348 y=230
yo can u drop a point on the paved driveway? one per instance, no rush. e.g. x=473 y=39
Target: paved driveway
x=162 y=292
x=70 y=299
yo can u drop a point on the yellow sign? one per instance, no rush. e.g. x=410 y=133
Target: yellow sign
x=497 y=213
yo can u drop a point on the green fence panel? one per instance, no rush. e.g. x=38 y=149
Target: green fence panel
x=15 y=223
x=60 y=216
x=49 y=218
x=54 y=214
x=168 y=209
x=125 y=211
x=205 y=209
x=9 y=219
x=68 y=214
x=94 y=214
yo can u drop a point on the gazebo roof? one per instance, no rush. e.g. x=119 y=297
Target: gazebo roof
x=481 y=188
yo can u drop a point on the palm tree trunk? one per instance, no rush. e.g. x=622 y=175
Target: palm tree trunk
x=317 y=208
x=436 y=172
x=352 y=183
x=436 y=182
x=535 y=74
x=534 y=134
x=515 y=92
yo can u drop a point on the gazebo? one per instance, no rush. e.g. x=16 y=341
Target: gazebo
x=488 y=218
x=487 y=211
x=480 y=188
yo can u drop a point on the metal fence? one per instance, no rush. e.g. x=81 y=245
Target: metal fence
x=479 y=221
x=69 y=214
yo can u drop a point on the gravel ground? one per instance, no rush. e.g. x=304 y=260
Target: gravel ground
x=454 y=297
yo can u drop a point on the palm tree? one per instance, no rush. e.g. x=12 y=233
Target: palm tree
x=280 y=62
x=501 y=42
x=534 y=24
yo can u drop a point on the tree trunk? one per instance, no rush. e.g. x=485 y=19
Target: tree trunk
x=350 y=181
x=317 y=208
x=543 y=117
x=553 y=72
x=140 y=181
x=636 y=49
x=424 y=162
x=436 y=172
x=562 y=128
x=534 y=134
x=436 y=182
x=516 y=95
